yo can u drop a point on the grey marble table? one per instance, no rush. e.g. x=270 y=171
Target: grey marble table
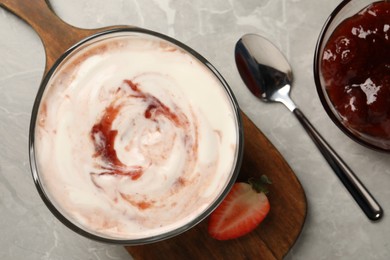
x=335 y=227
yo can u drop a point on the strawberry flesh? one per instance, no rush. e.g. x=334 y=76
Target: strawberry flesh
x=240 y=212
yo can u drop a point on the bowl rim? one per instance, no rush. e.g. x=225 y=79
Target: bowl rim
x=317 y=78
x=155 y=238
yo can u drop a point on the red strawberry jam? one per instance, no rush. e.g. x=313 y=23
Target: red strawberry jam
x=356 y=69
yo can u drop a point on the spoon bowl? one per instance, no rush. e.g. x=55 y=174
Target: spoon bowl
x=277 y=72
x=268 y=75
x=264 y=70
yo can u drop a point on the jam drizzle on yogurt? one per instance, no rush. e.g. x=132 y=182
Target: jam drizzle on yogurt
x=103 y=135
x=156 y=107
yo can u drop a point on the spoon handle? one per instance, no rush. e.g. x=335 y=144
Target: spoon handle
x=361 y=195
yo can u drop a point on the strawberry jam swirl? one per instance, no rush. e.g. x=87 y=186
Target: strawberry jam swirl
x=134 y=137
x=163 y=130
x=103 y=134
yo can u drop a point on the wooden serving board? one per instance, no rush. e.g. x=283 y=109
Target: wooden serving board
x=275 y=235
x=278 y=232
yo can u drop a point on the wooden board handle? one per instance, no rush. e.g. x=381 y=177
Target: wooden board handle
x=56 y=35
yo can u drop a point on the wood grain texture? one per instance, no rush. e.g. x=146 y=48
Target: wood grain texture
x=275 y=235
x=278 y=232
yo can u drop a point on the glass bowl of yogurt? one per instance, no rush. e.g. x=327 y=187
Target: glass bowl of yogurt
x=352 y=68
x=134 y=137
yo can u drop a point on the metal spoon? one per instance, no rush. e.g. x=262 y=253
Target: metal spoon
x=268 y=75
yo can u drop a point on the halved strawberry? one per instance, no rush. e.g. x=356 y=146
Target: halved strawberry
x=243 y=209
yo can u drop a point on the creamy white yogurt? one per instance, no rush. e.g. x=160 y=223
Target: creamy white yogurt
x=134 y=137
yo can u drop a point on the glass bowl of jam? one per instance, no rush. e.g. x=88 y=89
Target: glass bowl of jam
x=352 y=70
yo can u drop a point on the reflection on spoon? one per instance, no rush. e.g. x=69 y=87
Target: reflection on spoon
x=268 y=75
